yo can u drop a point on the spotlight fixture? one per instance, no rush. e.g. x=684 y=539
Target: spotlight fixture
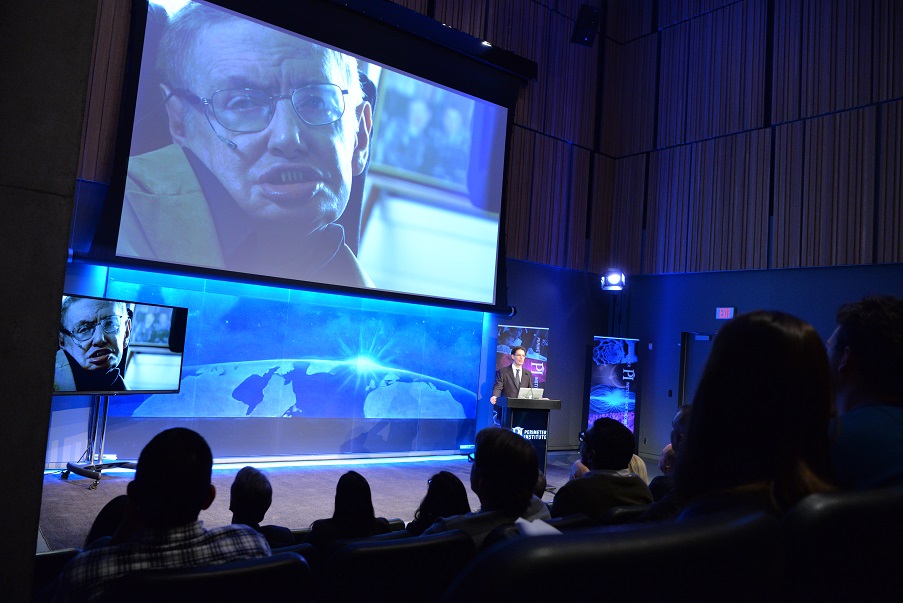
x=613 y=280
x=512 y=311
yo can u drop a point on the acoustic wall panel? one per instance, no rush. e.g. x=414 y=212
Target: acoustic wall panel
x=728 y=217
x=570 y=86
x=788 y=195
x=890 y=185
x=628 y=101
x=523 y=28
x=668 y=210
x=520 y=188
x=838 y=189
x=726 y=76
x=627 y=205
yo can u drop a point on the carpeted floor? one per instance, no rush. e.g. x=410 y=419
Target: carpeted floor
x=301 y=494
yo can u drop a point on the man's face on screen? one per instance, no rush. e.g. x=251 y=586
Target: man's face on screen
x=289 y=173
x=105 y=329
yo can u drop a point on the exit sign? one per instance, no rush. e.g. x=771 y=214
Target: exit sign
x=724 y=313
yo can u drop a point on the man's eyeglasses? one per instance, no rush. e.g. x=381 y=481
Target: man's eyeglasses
x=85 y=331
x=249 y=110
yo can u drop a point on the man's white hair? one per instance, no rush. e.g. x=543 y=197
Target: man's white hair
x=177 y=45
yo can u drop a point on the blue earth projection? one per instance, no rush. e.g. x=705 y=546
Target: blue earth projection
x=356 y=388
x=310 y=373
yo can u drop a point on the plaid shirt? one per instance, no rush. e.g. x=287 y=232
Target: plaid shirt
x=190 y=545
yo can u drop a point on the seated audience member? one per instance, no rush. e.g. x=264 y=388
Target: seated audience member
x=250 y=498
x=661 y=485
x=171 y=487
x=445 y=496
x=737 y=454
x=666 y=459
x=607 y=450
x=578 y=469
x=108 y=522
x=502 y=476
x=637 y=466
x=352 y=518
x=866 y=356
x=537 y=509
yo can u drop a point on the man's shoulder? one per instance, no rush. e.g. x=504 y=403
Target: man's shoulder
x=613 y=482
x=233 y=532
x=164 y=171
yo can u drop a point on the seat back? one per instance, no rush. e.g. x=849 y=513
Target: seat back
x=48 y=565
x=281 y=577
x=405 y=569
x=725 y=558
x=845 y=546
x=621 y=514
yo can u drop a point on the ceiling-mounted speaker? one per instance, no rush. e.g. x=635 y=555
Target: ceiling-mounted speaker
x=588 y=19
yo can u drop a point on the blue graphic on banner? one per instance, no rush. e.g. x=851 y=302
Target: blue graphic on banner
x=612 y=392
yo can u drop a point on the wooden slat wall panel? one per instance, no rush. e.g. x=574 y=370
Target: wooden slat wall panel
x=785 y=92
x=728 y=227
x=579 y=177
x=890 y=188
x=520 y=190
x=667 y=211
x=888 y=70
x=675 y=11
x=628 y=104
x=838 y=189
x=788 y=193
x=629 y=19
x=570 y=86
x=421 y=6
x=464 y=15
x=836 y=55
x=105 y=90
x=549 y=203
x=602 y=230
x=570 y=8
x=627 y=216
x=727 y=71
x=523 y=28
x=672 y=110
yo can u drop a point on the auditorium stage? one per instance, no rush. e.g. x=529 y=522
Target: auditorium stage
x=301 y=492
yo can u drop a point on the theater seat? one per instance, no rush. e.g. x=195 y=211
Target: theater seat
x=281 y=577
x=405 y=569
x=48 y=565
x=721 y=558
x=846 y=546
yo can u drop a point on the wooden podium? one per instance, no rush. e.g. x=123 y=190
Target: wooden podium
x=530 y=418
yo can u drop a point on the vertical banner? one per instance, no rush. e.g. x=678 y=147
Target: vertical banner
x=614 y=372
x=536 y=342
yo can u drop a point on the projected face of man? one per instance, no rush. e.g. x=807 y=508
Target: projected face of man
x=102 y=351
x=290 y=174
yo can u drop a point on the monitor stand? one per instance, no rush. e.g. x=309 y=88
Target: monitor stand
x=100 y=406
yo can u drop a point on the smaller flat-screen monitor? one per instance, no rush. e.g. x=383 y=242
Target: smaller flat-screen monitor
x=112 y=347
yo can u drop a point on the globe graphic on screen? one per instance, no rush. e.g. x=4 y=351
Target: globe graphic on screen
x=356 y=388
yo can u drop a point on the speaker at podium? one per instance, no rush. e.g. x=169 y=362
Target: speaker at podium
x=528 y=416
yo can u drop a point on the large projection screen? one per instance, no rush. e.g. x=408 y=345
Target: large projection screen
x=258 y=151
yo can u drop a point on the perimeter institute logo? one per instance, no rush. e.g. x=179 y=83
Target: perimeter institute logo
x=530 y=434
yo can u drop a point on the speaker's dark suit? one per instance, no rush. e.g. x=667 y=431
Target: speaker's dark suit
x=505 y=384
